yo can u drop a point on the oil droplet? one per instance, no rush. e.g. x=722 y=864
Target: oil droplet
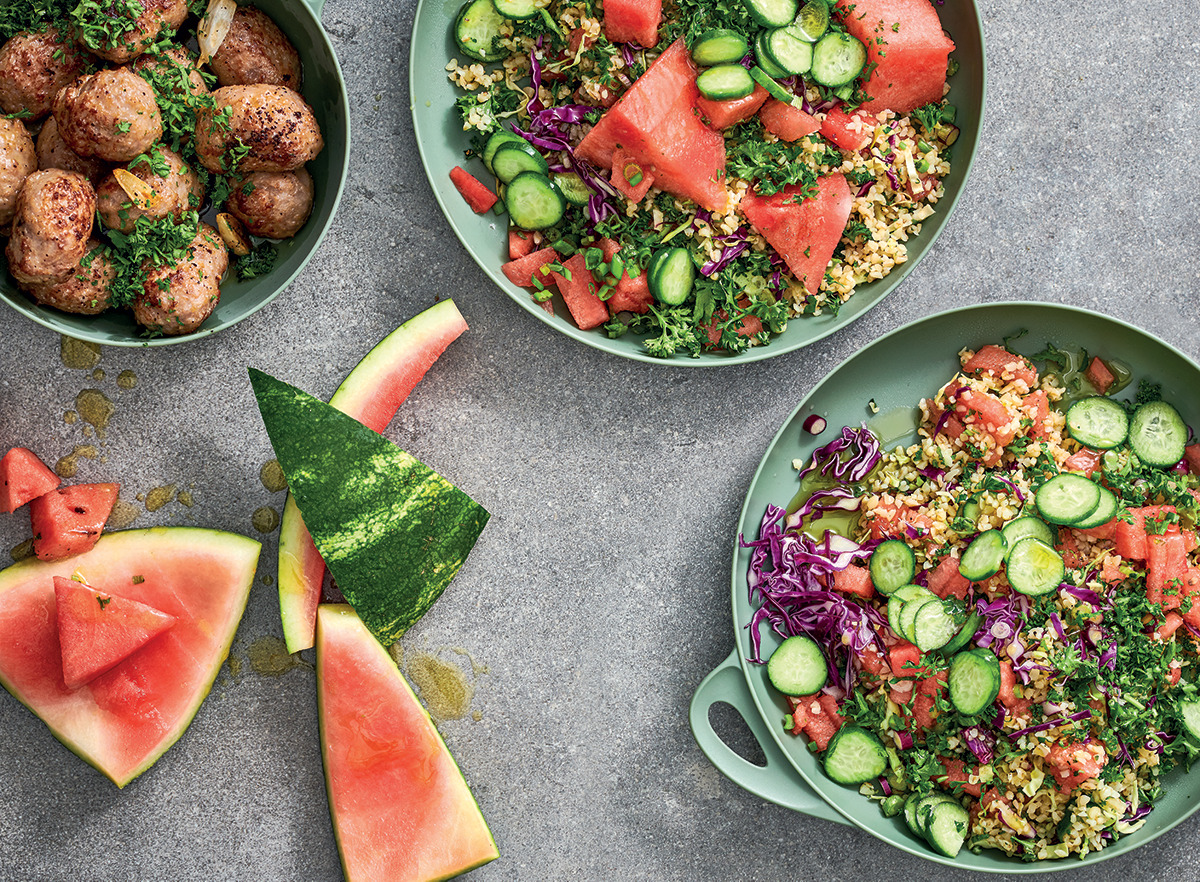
x=126 y=379
x=476 y=716
x=443 y=686
x=68 y=466
x=272 y=477
x=268 y=580
x=22 y=551
x=123 y=514
x=476 y=667
x=235 y=664
x=159 y=496
x=396 y=651
x=70 y=417
x=265 y=519
x=95 y=408
x=184 y=497
x=79 y=354
x=269 y=657
x=98 y=375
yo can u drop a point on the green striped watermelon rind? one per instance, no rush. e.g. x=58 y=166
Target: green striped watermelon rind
x=393 y=532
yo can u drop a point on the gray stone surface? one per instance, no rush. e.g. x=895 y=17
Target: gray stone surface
x=597 y=598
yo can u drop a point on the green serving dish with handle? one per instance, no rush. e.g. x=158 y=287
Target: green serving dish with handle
x=442 y=142
x=892 y=374
x=325 y=90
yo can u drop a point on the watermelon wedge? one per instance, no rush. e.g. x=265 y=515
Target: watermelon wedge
x=393 y=532
x=400 y=807
x=372 y=394
x=96 y=631
x=69 y=520
x=126 y=718
x=23 y=478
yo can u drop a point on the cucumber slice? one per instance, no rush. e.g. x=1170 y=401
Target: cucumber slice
x=477 y=28
x=892 y=566
x=812 y=21
x=772 y=13
x=895 y=605
x=533 y=202
x=516 y=9
x=1067 y=499
x=925 y=808
x=502 y=138
x=510 y=160
x=1098 y=422
x=797 y=666
x=773 y=88
x=934 y=626
x=671 y=275
x=983 y=556
x=974 y=680
x=1189 y=716
x=965 y=634
x=768 y=67
x=1034 y=568
x=837 y=59
x=719 y=46
x=788 y=51
x=1157 y=434
x=908 y=616
x=725 y=82
x=854 y=755
x=948 y=826
x=910 y=814
x=1026 y=525
x=572 y=187
x=1105 y=511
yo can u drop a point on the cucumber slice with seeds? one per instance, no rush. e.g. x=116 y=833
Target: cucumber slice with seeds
x=725 y=82
x=854 y=755
x=1027 y=525
x=1157 y=434
x=812 y=21
x=908 y=616
x=1067 y=499
x=982 y=558
x=768 y=67
x=719 y=46
x=948 y=826
x=502 y=138
x=1106 y=510
x=788 y=51
x=965 y=634
x=837 y=59
x=520 y=10
x=1034 y=568
x=572 y=187
x=1098 y=422
x=477 y=28
x=934 y=626
x=533 y=201
x=892 y=566
x=772 y=13
x=974 y=680
x=797 y=666
x=671 y=275
x=1189 y=715
x=510 y=160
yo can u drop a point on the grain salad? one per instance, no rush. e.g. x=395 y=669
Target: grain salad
x=1007 y=610
x=776 y=205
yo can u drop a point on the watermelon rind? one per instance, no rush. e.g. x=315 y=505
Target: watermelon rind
x=393 y=532
x=125 y=719
x=400 y=806
x=371 y=393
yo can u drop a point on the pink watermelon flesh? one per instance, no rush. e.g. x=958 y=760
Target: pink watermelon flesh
x=400 y=807
x=23 y=478
x=372 y=394
x=657 y=122
x=632 y=21
x=805 y=234
x=97 y=630
x=905 y=42
x=124 y=719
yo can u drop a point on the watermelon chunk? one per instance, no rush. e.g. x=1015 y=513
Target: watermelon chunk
x=125 y=718
x=1002 y=364
x=786 y=122
x=945 y=580
x=1166 y=569
x=23 y=478
x=907 y=51
x=477 y=194
x=96 y=631
x=628 y=294
x=624 y=167
x=1100 y=376
x=854 y=580
x=804 y=233
x=69 y=520
x=372 y=393
x=520 y=243
x=632 y=21
x=523 y=270
x=579 y=292
x=656 y=122
x=1131 y=538
x=850 y=131
x=723 y=114
x=400 y=807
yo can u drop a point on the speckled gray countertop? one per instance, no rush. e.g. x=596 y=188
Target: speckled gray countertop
x=597 y=597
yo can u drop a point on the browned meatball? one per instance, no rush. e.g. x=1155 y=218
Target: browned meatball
x=273 y=122
x=175 y=68
x=110 y=114
x=177 y=299
x=52 y=226
x=33 y=67
x=18 y=160
x=256 y=51
x=84 y=290
x=97 y=32
x=53 y=152
x=174 y=192
x=274 y=205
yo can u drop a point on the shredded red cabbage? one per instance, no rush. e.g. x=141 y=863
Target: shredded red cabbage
x=848 y=458
x=1051 y=724
x=865 y=188
x=728 y=254
x=1097 y=600
x=821 y=501
x=981 y=742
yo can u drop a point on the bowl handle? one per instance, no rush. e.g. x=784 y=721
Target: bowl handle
x=777 y=781
x=316 y=6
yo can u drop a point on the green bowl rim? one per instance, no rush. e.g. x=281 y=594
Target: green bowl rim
x=756 y=353
x=1015 y=867
x=313 y=9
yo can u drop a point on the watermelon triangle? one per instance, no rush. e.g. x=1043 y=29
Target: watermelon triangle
x=400 y=807
x=97 y=630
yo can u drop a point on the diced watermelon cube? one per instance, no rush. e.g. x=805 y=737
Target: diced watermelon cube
x=1190 y=607
x=1170 y=625
x=69 y=520
x=924 y=709
x=1166 y=568
x=987 y=413
x=1085 y=461
x=1130 y=537
x=787 y=122
x=631 y=295
x=747 y=327
x=522 y=270
x=520 y=243
x=1100 y=376
x=723 y=114
x=905 y=660
x=957 y=776
x=1036 y=406
x=854 y=580
x=23 y=478
x=579 y=293
x=632 y=21
x=625 y=170
x=873 y=661
x=1008 y=691
x=946 y=581
x=850 y=131
x=999 y=362
x=477 y=194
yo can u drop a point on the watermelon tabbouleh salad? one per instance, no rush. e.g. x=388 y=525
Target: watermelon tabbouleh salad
x=998 y=638
x=702 y=171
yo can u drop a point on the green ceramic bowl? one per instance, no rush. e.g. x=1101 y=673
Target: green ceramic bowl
x=441 y=142
x=895 y=371
x=325 y=91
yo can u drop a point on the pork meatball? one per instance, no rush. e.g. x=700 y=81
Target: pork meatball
x=274 y=205
x=177 y=299
x=18 y=160
x=111 y=115
x=96 y=33
x=33 y=67
x=272 y=122
x=256 y=51
x=52 y=226
x=175 y=70
x=86 y=289
x=53 y=152
x=175 y=192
